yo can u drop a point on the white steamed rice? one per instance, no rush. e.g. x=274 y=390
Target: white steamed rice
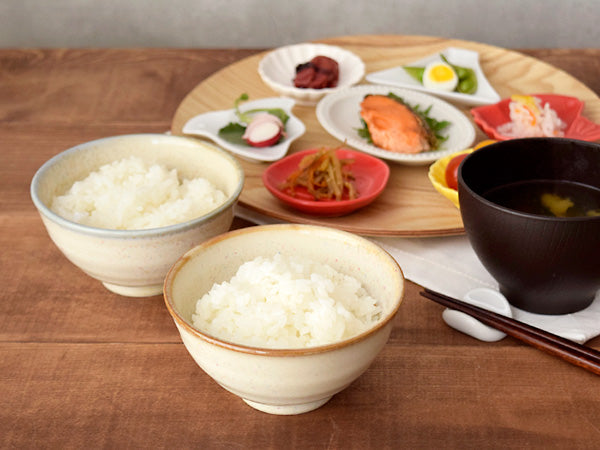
x=130 y=194
x=286 y=302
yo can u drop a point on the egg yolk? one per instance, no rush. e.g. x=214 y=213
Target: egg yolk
x=441 y=73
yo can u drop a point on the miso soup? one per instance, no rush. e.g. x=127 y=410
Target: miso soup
x=548 y=198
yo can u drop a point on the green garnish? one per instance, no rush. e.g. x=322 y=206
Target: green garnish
x=415 y=72
x=364 y=132
x=236 y=106
x=233 y=131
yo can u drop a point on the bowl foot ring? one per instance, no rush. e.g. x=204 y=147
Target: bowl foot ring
x=134 y=291
x=287 y=410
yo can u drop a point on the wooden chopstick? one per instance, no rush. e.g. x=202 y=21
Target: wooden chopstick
x=572 y=352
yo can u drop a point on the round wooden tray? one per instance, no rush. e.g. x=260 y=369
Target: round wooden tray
x=409 y=206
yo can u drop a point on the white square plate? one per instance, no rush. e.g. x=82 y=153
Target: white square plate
x=398 y=77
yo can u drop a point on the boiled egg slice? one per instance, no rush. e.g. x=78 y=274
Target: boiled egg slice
x=440 y=76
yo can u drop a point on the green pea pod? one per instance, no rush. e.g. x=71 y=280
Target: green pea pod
x=467 y=79
x=468 y=85
x=462 y=72
x=415 y=72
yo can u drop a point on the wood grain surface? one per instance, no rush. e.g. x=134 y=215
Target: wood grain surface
x=81 y=367
x=409 y=206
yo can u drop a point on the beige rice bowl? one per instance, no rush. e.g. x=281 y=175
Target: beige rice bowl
x=125 y=208
x=284 y=316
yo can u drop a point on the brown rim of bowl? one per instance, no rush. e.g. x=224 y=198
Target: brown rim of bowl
x=304 y=351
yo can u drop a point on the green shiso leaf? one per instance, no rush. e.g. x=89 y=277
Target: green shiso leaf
x=233 y=133
x=415 y=72
x=364 y=132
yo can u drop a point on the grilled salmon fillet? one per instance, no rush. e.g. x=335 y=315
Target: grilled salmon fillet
x=394 y=126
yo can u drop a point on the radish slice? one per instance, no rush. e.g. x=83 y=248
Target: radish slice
x=264 y=130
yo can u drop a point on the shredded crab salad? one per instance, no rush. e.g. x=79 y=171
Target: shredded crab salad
x=529 y=118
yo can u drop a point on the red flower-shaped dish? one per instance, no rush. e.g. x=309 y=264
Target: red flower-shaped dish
x=370 y=178
x=490 y=117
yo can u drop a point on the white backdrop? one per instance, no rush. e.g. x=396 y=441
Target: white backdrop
x=271 y=23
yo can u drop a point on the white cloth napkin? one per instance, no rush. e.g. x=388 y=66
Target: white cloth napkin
x=449 y=265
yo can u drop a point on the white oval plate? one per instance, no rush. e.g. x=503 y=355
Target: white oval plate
x=339 y=114
x=397 y=76
x=278 y=69
x=209 y=124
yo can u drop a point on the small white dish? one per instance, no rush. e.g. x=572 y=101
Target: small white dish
x=484 y=298
x=209 y=124
x=339 y=114
x=397 y=76
x=278 y=70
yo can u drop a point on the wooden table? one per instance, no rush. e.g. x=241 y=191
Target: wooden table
x=82 y=367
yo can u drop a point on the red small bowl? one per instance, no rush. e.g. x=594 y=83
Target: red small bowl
x=370 y=178
x=490 y=117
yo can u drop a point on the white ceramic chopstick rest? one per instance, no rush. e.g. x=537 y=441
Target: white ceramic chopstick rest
x=484 y=298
